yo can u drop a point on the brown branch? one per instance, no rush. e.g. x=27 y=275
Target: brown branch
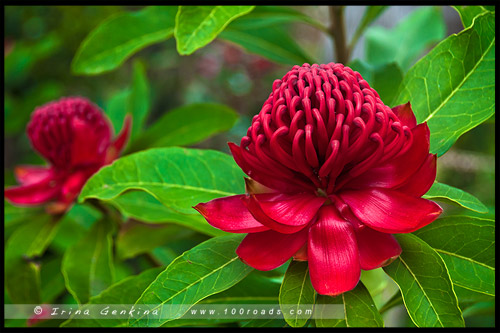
x=337 y=31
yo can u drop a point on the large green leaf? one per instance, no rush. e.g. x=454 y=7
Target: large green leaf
x=467 y=246
x=385 y=78
x=116 y=39
x=469 y=13
x=179 y=178
x=123 y=293
x=52 y=280
x=144 y=207
x=206 y=269
x=22 y=272
x=405 y=42
x=440 y=191
x=88 y=266
x=187 y=125
x=359 y=310
x=452 y=88
x=297 y=294
x=272 y=42
x=425 y=284
x=196 y=26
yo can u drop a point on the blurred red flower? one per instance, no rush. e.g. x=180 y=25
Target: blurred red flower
x=334 y=172
x=74 y=136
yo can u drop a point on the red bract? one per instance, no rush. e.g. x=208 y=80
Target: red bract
x=334 y=172
x=74 y=136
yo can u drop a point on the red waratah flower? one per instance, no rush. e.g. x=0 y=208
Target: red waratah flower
x=334 y=172
x=74 y=136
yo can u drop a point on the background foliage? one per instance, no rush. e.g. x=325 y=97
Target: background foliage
x=194 y=77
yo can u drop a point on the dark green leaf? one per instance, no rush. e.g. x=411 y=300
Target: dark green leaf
x=467 y=246
x=329 y=312
x=135 y=238
x=187 y=125
x=469 y=13
x=179 y=178
x=385 y=79
x=144 y=207
x=120 y=36
x=264 y=16
x=296 y=294
x=425 y=284
x=88 y=266
x=138 y=102
x=52 y=280
x=440 y=191
x=116 y=108
x=124 y=292
x=196 y=26
x=405 y=42
x=452 y=88
x=206 y=269
x=22 y=272
x=271 y=42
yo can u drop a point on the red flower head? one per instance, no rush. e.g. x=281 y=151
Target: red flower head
x=334 y=172
x=74 y=136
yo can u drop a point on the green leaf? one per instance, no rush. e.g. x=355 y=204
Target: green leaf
x=385 y=79
x=371 y=13
x=187 y=125
x=469 y=13
x=179 y=178
x=196 y=26
x=52 y=281
x=138 y=102
x=117 y=38
x=440 y=191
x=134 y=101
x=135 y=238
x=452 y=88
x=271 y=42
x=405 y=42
x=264 y=16
x=206 y=269
x=425 y=284
x=296 y=294
x=124 y=292
x=359 y=310
x=467 y=246
x=144 y=207
x=22 y=272
x=88 y=266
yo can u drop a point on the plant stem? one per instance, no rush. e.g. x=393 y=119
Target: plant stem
x=337 y=31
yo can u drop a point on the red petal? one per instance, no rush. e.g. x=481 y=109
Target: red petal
x=270 y=249
x=283 y=212
x=73 y=185
x=30 y=174
x=405 y=115
x=272 y=181
x=390 y=211
x=301 y=254
x=230 y=214
x=376 y=249
x=398 y=170
x=120 y=141
x=88 y=146
x=421 y=181
x=33 y=194
x=333 y=254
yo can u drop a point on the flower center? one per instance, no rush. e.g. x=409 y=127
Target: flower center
x=324 y=125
